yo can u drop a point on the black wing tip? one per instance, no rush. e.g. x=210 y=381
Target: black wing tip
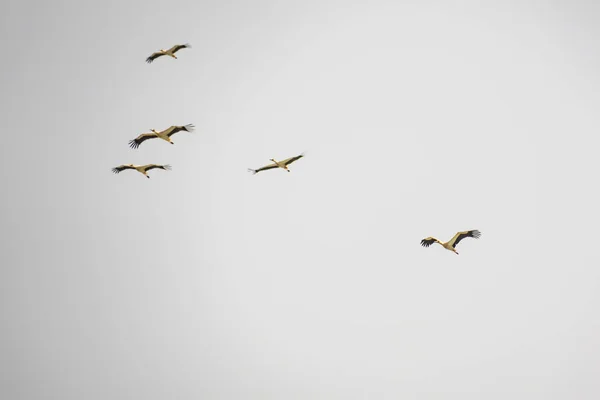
x=475 y=234
x=425 y=243
x=115 y=170
x=149 y=60
x=133 y=144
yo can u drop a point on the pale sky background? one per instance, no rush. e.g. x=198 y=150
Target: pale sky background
x=419 y=118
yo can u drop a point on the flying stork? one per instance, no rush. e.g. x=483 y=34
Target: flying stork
x=171 y=52
x=143 y=169
x=164 y=135
x=452 y=243
x=277 y=164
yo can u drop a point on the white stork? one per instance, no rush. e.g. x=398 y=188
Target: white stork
x=452 y=243
x=171 y=52
x=277 y=164
x=143 y=169
x=164 y=135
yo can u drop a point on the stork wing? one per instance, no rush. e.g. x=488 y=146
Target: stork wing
x=178 y=47
x=290 y=160
x=429 y=241
x=148 y=167
x=266 y=167
x=174 y=129
x=461 y=235
x=120 y=168
x=135 y=143
x=154 y=56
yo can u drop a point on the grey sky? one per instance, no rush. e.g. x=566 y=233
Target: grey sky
x=206 y=282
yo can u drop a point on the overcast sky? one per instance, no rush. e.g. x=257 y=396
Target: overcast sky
x=419 y=118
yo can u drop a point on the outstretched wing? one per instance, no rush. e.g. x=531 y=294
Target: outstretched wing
x=154 y=56
x=429 y=241
x=461 y=235
x=266 y=167
x=178 y=47
x=135 y=143
x=174 y=129
x=290 y=160
x=148 y=167
x=120 y=168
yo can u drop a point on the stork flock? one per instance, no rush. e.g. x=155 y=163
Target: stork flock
x=170 y=131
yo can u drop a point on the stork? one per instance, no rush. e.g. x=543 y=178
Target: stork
x=143 y=169
x=277 y=164
x=452 y=243
x=171 y=52
x=164 y=135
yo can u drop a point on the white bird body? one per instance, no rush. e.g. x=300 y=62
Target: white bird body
x=277 y=164
x=280 y=164
x=142 y=169
x=164 y=135
x=452 y=243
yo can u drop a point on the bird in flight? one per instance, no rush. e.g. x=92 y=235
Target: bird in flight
x=277 y=164
x=143 y=169
x=171 y=52
x=452 y=243
x=164 y=135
